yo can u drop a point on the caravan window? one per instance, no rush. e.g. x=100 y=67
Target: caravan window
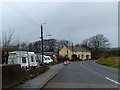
x=32 y=59
x=23 y=59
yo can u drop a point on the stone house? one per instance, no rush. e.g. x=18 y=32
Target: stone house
x=81 y=52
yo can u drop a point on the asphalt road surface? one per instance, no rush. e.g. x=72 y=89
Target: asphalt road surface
x=85 y=74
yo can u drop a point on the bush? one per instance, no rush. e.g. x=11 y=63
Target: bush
x=33 y=71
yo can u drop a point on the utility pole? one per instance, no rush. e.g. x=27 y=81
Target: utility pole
x=67 y=48
x=42 y=42
x=72 y=48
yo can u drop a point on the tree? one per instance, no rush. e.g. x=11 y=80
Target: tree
x=37 y=46
x=51 y=45
x=96 y=43
x=30 y=46
x=6 y=45
x=61 y=43
x=48 y=45
x=24 y=46
x=85 y=44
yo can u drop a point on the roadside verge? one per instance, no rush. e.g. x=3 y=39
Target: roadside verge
x=41 y=80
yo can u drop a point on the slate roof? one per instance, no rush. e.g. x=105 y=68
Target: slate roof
x=78 y=48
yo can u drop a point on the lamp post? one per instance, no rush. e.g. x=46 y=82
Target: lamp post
x=42 y=41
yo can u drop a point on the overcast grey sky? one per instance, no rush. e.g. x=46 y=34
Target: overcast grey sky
x=74 y=21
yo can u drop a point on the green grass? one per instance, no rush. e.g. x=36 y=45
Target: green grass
x=111 y=61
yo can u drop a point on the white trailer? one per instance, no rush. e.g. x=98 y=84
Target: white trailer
x=24 y=58
x=32 y=59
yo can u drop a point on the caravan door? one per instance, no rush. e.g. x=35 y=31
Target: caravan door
x=32 y=59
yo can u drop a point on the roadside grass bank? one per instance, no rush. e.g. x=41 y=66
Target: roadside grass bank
x=110 y=61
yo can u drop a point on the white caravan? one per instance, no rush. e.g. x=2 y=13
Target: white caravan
x=24 y=58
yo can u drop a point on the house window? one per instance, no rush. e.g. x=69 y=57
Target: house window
x=32 y=59
x=23 y=59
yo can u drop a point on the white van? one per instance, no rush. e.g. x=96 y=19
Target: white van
x=47 y=59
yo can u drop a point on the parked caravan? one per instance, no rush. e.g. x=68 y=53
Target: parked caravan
x=38 y=58
x=32 y=59
x=24 y=58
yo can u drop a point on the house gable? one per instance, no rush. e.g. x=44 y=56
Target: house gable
x=65 y=51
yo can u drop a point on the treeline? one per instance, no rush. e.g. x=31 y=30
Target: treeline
x=99 y=46
x=49 y=45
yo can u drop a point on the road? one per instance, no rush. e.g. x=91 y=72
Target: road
x=85 y=74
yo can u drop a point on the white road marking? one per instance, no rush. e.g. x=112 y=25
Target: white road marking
x=100 y=74
x=112 y=80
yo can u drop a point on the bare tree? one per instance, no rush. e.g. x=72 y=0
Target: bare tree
x=98 y=42
x=51 y=44
x=24 y=46
x=61 y=43
x=37 y=46
x=30 y=46
x=85 y=43
x=7 y=42
x=7 y=39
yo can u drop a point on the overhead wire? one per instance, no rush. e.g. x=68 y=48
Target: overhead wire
x=20 y=12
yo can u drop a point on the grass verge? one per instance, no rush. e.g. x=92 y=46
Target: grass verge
x=111 y=61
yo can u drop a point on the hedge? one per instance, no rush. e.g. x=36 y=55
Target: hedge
x=14 y=74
